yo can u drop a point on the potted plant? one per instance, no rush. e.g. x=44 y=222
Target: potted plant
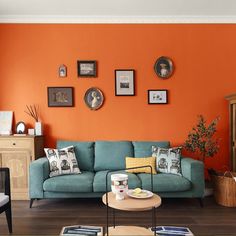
x=201 y=139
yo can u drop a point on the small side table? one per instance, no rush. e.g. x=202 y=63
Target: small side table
x=131 y=204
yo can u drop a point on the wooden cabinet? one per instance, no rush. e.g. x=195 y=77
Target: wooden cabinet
x=16 y=152
x=232 y=128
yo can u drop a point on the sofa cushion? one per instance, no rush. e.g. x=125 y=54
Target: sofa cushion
x=144 y=148
x=62 y=161
x=80 y=183
x=165 y=183
x=99 y=183
x=84 y=152
x=132 y=162
x=111 y=155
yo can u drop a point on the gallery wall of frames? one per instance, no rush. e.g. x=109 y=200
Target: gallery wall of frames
x=118 y=82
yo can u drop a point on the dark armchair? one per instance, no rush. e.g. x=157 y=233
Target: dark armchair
x=5 y=196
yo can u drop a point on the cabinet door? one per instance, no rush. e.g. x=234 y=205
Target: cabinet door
x=18 y=163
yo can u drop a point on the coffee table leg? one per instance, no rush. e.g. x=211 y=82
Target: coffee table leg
x=114 y=218
x=154 y=219
x=107 y=221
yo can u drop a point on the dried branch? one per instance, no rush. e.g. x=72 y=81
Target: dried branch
x=33 y=111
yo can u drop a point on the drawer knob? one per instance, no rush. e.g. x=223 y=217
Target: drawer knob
x=14 y=144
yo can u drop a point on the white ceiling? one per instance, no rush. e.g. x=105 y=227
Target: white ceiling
x=118 y=11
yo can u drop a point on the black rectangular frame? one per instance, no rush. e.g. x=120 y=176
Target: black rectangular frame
x=80 y=72
x=159 y=103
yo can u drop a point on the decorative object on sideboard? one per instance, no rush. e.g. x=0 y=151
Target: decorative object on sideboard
x=60 y=96
x=20 y=127
x=31 y=132
x=158 y=96
x=33 y=111
x=6 y=118
x=94 y=98
x=164 y=67
x=87 y=68
x=124 y=83
x=62 y=71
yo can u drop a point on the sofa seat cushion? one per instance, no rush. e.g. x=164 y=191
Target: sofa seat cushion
x=77 y=183
x=165 y=183
x=99 y=184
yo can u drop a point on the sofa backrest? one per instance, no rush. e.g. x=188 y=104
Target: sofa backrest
x=110 y=155
x=84 y=152
x=144 y=148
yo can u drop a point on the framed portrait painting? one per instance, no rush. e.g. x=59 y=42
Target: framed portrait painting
x=164 y=67
x=93 y=98
x=124 y=83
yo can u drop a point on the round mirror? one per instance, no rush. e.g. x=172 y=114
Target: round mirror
x=20 y=127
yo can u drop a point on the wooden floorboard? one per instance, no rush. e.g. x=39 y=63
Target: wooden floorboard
x=47 y=217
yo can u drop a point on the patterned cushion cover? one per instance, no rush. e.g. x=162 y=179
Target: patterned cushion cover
x=62 y=161
x=167 y=159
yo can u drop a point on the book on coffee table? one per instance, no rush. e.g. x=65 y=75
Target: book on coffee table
x=172 y=231
x=81 y=230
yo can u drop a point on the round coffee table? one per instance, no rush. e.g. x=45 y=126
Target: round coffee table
x=131 y=204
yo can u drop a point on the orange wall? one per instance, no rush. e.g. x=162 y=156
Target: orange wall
x=204 y=57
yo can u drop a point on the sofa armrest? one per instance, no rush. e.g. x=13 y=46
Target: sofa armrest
x=38 y=173
x=193 y=170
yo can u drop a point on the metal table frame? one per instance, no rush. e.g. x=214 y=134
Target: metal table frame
x=107 y=204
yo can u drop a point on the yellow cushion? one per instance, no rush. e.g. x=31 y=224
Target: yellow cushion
x=143 y=161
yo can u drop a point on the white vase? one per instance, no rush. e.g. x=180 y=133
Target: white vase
x=38 y=128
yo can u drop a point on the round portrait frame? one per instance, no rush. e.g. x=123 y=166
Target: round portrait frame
x=98 y=96
x=166 y=65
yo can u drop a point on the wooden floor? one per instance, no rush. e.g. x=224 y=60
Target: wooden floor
x=47 y=217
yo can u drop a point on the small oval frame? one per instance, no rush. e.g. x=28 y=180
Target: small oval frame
x=94 y=98
x=164 y=67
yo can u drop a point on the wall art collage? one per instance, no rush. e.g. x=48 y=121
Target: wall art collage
x=124 y=85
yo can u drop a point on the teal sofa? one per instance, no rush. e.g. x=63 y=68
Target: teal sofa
x=96 y=158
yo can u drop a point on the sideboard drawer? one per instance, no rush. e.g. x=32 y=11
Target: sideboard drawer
x=15 y=143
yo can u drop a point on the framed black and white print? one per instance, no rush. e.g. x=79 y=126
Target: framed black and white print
x=124 y=83
x=157 y=96
x=87 y=68
x=60 y=96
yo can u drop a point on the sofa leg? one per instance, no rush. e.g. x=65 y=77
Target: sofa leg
x=31 y=202
x=201 y=201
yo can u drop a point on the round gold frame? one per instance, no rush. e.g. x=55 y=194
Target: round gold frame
x=94 y=98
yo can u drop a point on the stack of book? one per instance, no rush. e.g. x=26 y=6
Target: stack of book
x=81 y=230
x=172 y=231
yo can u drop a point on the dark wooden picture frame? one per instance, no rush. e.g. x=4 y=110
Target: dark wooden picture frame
x=158 y=96
x=125 y=82
x=60 y=96
x=87 y=68
x=164 y=67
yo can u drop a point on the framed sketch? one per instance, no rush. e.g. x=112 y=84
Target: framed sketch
x=6 y=119
x=124 y=83
x=62 y=72
x=164 y=67
x=87 y=68
x=60 y=96
x=157 y=96
x=94 y=98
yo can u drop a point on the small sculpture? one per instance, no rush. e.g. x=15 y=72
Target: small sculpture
x=119 y=185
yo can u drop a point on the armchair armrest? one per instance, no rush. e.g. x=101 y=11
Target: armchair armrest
x=38 y=173
x=193 y=170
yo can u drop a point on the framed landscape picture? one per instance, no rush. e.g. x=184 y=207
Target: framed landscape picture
x=87 y=68
x=157 y=96
x=60 y=96
x=124 y=83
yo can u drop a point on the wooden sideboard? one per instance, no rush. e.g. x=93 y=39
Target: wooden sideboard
x=16 y=152
x=232 y=129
